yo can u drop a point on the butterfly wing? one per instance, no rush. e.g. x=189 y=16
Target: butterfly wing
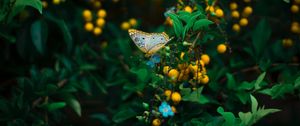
x=157 y=41
x=139 y=38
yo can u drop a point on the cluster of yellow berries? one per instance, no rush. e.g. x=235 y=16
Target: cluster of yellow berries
x=295 y=27
x=54 y=2
x=195 y=72
x=175 y=97
x=217 y=11
x=99 y=23
x=132 y=22
x=243 y=18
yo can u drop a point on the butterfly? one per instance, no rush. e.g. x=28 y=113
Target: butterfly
x=148 y=43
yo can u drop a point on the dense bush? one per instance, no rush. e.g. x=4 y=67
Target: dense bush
x=204 y=62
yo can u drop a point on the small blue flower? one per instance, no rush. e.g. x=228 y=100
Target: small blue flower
x=150 y=64
x=165 y=109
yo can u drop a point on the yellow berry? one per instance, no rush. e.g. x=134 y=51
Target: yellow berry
x=97 y=31
x=221 y=48
x=233 y=6
x=204 y=79
x=176 y=97
x=205 y=58
x=247 y=1
x=174 y=109
x=188 y=9
x=132 y=22
x=173 y=74
x=97 y=4
x=201 y=62
x=236 y=27
x=88 y=26
x=287 y=42
x=100 y=22
x=295 y=27
x=210 y=8
x=235 y=14
x=87 y=15
x=182 y=55
x=125 y=26
x=295 y=8
x=56 y=2
x=297 y=1
x=247 y=11
x=45 y=4
x=244 y=22
x=166 y=69
x=182 y=66
x=219 y=13
x=169 y=21
x=101 y=13
x=168 y=93
x=156 y=122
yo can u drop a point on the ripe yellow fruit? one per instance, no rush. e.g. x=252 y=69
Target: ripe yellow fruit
x=87 y=15
x=56 y=2
x=233 y=6
x=173 y=74
x=235 y=14
x=182 y=66
x=219 y=13
x=294 y=8
x=182 y=55
x=173 y=109
x=97 y=4
x=193 y=68
x=205 y=58
x=295 y=28
x=168 y=93
x=201 y=63
x=88 y=26
x=236 y=27
x=176 y=97
x=204 y=79
x=156 y=122
x=169 y=21
x=101 y=13
x=221 y=48
x=287 y=42
x=97 y=31
x=132 y=22
x=210 y=8
x=100 y=22
x=247 y=10
x=188 y=9
x=45 y=4
x=125 y=26
x=297 y=1
x=247 y=1
x=244 y=22
x=166 y=69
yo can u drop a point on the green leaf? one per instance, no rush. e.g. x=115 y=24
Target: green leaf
x=231 y=84
x=202 y=23
x=39 y=33
x=123 y=115
x=228 y=117
x=195 y=96
x=73 y=103
x=19 y=6
x=8 y=37
x=142 y=74
x=54 y=106
x=257 y=84
x=245 y=118
x=279 y=90
x=190 y=23
x=177 y=24
x=243 y=96
x=183 y=15
x=88 y=67
x=101 y=117
x=254 y=104
x=297 y=83
x=260 y=36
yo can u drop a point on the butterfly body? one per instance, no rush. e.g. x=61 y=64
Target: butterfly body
x=148 y=43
